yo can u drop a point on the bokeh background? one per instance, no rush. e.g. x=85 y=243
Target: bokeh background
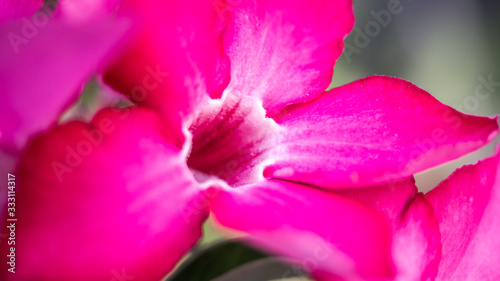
x=445 y=47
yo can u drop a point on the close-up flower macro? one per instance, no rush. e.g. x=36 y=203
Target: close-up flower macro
x=208 y=140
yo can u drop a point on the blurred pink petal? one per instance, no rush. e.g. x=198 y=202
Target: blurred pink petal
x=467 y=205
x=96 y=200
x=43 y=69
x=318 y=230
x=284 y=51
x=175 y=60
x=16 y=9
x=372 y=131
x=85 y=10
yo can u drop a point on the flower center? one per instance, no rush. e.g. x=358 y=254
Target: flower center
x=230 y=140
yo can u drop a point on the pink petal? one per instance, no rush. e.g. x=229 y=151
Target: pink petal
x=175 y=59
x=106 y=199
x=416 y=247
x=467 y=205
x=391 y=199
x=85 y=10
x=416 y=241
x=230 y=138
x=43 y=70
x=284 y=51
x=372 y=131
x=16 y=9
x=318 y=230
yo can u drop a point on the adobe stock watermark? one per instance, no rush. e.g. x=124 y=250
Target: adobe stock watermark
x=93 y=137
x=361 y=38
x=438 y=136
x=482 y=92
x=31 y=26
x=75 y=155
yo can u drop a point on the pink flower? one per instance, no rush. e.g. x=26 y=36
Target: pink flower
x=450 y=233
x=36 y=52
x=232 y=120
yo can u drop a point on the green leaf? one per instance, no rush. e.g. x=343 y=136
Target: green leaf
x=210 y=262
x=265 y=269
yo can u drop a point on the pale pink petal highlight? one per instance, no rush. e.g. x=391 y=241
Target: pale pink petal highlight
x=416 y=243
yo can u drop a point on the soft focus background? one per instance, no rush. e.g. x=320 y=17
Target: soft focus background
x=446 y=47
